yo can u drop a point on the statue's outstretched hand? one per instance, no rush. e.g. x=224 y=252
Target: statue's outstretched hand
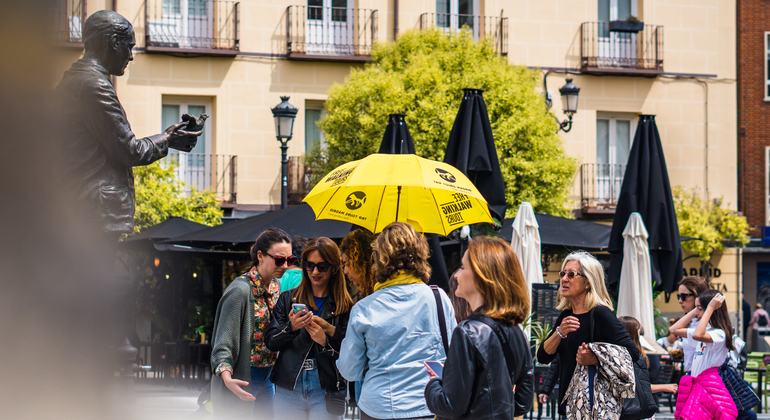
x=181 y=139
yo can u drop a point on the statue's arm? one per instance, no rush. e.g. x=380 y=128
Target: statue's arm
x=106 y=119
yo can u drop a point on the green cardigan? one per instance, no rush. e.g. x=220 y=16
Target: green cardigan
x=231 y=338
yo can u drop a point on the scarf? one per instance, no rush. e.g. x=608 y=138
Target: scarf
x=397 y=280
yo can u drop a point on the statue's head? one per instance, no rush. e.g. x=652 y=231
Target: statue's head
x=109 y=37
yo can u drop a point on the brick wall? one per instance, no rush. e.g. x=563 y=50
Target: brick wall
x=753 y=111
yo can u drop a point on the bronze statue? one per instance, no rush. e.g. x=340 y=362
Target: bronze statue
x=100 y=148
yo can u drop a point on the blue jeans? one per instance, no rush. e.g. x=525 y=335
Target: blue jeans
x=306 y=402
x=264 y=391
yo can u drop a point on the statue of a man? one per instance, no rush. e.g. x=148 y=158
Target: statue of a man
x=100 y=147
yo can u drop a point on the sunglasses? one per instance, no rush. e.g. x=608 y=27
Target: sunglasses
x=322 y=267
x=569 y=274
x=683 y=296
x=280 y=261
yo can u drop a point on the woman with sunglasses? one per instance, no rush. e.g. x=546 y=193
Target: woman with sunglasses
x=308 y=325
x=582 y=298
x=241 y=362
x=689 y=290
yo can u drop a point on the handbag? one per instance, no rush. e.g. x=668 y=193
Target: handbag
x=335 y=402
x=643 y=405
x=742 y=393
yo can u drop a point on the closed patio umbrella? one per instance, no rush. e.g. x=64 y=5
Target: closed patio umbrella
x=526 y=244
x=635 y=294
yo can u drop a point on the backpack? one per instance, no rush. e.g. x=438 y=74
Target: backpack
x=762 y=321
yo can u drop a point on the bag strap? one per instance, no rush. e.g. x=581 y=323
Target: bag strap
x=591 y=325
x=507 y=352
x=441 y=318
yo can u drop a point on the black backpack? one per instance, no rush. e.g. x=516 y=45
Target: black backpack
x=762 y=321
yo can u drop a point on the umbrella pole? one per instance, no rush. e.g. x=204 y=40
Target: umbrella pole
x=398 y=201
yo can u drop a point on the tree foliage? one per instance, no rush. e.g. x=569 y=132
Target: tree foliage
x=422 y=75
x=161 y=195
x=709 y=222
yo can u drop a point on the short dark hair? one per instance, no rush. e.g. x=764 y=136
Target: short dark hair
x=100 y=27
x=265 y=240
x=297 y=245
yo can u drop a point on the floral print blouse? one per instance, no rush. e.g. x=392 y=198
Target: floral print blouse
x=260 y=355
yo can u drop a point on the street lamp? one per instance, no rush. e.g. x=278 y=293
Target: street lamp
x=569 y=99
x=284 y=114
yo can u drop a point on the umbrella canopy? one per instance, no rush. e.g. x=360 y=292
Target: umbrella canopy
x=295 y=220
x=170 y=228
x=635 y=294
x=646 y=190
x=471 y=149
x=526 y=244
x=373 y=192
x=570 y=233
x=397 y=139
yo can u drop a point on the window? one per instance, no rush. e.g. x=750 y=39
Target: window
x=767 y=66
x=194 y=167
x=767 y=186
x=613 y=143
x=454 y=14
x=314 y=137
x=615 y=48
x=329 y=27
x=183 y=24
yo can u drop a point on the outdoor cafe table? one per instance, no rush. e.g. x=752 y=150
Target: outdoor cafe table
x=760 y=383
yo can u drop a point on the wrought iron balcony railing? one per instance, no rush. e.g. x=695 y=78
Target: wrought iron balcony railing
x=207 y=172
x=330 y=33
x=600 y=185
x=492 y=27
x=605 y=51
x=70 y=15
x=299 y=180
x=192 y=26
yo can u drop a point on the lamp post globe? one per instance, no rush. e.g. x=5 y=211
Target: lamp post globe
x=569 y=99
x=284 y=115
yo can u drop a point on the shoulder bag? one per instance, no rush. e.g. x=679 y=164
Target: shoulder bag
x=742 y=393
x=643 y=405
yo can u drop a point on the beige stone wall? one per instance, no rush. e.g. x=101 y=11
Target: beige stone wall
x=699 y=38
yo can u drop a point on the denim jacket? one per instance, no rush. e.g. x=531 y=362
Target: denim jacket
x=390 y=333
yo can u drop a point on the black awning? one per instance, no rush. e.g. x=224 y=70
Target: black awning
x=569 y=233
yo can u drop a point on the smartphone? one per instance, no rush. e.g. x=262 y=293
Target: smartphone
x=435 y=367
x=298 y=307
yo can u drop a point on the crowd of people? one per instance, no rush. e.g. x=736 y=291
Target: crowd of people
x=312 y=325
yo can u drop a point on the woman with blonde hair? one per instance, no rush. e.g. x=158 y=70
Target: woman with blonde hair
x=477 y=378
x=309 y=323
x=393 y=330
x=582 y=298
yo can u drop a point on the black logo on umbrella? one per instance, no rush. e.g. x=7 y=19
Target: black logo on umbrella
x=446 y=176
x=355 y=200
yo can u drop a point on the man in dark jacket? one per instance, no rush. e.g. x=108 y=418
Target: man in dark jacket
x=100 y=149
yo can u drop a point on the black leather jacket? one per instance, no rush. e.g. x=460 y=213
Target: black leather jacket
x=475 y=382
x=294 y=346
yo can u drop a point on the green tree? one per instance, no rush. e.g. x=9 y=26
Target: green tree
x=714 y=226
x=161 y=195
x=422 y=75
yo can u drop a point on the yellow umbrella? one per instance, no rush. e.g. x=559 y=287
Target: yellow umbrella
x=379 y=189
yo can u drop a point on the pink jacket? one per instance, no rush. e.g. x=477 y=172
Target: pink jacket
x=704 y=398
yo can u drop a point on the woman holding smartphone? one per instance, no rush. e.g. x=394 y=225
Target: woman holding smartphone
x=476 y=383
x=308 y=326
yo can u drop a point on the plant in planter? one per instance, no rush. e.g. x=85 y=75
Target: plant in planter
x=631 y=24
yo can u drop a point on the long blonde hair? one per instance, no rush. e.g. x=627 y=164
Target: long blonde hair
x=594 y=272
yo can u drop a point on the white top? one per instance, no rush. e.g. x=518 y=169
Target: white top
x=677 y=344
x=687 y=349
x=708 y=355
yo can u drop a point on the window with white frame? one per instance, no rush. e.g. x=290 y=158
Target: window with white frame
x=767 y=66
x=314 y=137
x=767 y=186
x=194 y=168
x=614 y=134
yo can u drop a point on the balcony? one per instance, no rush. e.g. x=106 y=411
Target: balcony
x=341 y=34
x=207 y=172
x=299 y=180
x=600 y=187
x=491 y=27
x=621 y=53
x=69 y=17
x=192 y=27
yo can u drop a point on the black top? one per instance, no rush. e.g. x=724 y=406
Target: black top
x=607 y=329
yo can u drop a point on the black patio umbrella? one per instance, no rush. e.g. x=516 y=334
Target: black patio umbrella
x=398 y=141
x=646 y=190
x=569 y=233
x=295 y=220
x=471 y=149
x=170 y=228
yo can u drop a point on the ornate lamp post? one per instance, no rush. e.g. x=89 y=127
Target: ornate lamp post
x=569 y=99
x=284 y=115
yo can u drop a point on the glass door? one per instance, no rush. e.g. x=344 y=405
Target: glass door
x=453 y=15
x=184 y=24
x=329 y=27
x=616 y=49
x=613 y=143
x=194 y=168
